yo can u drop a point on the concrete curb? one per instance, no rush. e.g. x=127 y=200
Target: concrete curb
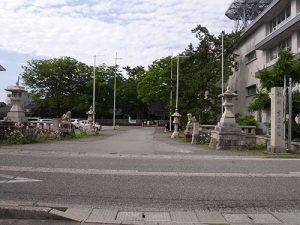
x=106 y=216
x=29 y=212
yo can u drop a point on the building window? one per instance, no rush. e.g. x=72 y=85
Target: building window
x=285 y=44
x=251 y=56
x=280 y=19
x=251 y=90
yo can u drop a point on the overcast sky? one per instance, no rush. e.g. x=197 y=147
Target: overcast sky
x=139 y=30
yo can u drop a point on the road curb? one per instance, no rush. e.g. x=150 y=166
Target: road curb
x=29 y=212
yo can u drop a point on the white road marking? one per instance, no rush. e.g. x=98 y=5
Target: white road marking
x=139 y=156
x=143 y=173
x=13 y=179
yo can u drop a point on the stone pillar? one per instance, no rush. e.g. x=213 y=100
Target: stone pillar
x=277 y=144
x=195 y=135
x=56 y=122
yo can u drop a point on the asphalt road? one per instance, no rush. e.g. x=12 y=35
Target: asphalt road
x=138 y=168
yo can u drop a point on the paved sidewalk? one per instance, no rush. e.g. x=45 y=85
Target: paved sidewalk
x=118 y=216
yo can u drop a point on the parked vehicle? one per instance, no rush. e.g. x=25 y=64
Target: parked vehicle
x=85 y=124
x=33 y=119
x=76 y=123
x=45 y=122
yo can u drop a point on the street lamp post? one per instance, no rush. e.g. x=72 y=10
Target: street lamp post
x=115 y=93
x=177 y=79
x=171 y=94
x=176 y=115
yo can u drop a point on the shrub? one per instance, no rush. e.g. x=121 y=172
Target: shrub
x=245 y=120
x=251 y=146
x=296 y=139
x=296 y=131
x=19 y=138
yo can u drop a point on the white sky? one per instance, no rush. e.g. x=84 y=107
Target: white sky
x=139 y=30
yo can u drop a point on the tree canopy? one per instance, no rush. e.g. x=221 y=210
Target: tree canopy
x=61 y=84
x=286 y=65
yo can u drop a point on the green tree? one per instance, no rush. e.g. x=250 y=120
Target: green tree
x=57 y=85
x=131 y=104
x=286 y=65
x=155 y=84
x=200 y=80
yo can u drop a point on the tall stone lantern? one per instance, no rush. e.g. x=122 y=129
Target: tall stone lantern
x=16 y=113
x=176 y=121
x=227 y=135
x=90 y=114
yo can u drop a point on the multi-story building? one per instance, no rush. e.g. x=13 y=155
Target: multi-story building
x=268 y=26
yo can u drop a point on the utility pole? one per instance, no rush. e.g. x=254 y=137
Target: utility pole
x=290 y=116
x=94 y=89
x=171 y=94
x=115 y=91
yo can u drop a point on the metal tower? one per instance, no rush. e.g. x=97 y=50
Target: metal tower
x=243 y=12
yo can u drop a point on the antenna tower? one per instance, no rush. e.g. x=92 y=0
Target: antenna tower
x=243 y=12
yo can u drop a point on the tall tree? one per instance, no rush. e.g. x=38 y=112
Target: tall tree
x=57 y=85
x=131 y=104
x=200 y=79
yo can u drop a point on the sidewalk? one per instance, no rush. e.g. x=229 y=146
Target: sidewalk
x=76 y=216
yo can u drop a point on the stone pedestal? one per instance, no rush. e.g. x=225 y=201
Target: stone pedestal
x=227 y=135
x=16 y=113
x=277 y=144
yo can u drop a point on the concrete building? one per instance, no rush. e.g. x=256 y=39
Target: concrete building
x=276 y=26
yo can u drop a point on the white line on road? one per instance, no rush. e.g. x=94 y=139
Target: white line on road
x=139 y=156
x=142 y=173
x=13 y=179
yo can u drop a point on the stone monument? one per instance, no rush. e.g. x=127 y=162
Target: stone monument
x=16 y=113
x=196 y=133
x=277 y=144
x=189 y=126
x=176 y=121
x=90 y=114
x=227 y=135
x=66 y=125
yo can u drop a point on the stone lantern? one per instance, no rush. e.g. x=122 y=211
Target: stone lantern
x=227 y=135
x=16 y=113
x=228 y=116
x=90 y=114
x=176 y=121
